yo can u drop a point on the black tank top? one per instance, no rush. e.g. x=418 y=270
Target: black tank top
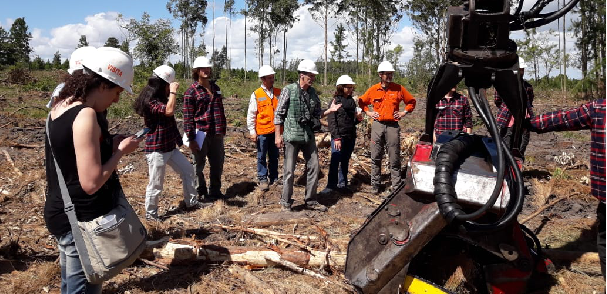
x=87 y=207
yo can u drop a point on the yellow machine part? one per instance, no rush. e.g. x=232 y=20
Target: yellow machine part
x=414 y=285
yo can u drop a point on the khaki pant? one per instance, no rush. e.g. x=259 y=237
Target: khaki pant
x=157 y=163
x=310 y=155
x=385 y=134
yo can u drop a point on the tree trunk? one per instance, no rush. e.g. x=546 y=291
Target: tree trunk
x=584 y=48
x=213 y=20
x=284 y=55
x=326 y=40
x=245 y=46
x=564 y=62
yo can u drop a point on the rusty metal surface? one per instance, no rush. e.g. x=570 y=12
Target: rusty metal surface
x=392 y=235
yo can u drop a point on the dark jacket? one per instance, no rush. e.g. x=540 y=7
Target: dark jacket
x=342 y=123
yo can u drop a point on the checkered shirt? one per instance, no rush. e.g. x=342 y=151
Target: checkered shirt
x=504 y=115
x=164 y=135
x=203 y=111
x=453 y=114
x=588 y=116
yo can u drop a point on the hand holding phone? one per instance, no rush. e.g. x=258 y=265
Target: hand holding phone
x=142 y=133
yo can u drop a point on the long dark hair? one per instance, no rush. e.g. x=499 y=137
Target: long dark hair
x=154 y=90
x=80 y=84
x=339 y=91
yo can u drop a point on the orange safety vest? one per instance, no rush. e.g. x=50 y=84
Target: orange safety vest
x=264 y=122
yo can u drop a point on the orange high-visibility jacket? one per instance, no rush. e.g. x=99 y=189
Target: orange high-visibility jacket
x=386 y=101
x=264 y=122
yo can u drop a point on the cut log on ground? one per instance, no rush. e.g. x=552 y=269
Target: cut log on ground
x=577 y=256
x=173 y=253
x=277 y=218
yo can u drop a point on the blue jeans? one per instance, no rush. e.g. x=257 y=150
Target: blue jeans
x=340 y=160
x=73 y=279
x=267 y=147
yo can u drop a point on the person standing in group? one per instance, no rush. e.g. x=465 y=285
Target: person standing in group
x=296 y=118
x=203 y=112
x=505 y=119
x=342 y=125
x=589 y=116
x=385 y=97
x=260 y=122
x=454 y=114
x=156 y=104
x=86 y=154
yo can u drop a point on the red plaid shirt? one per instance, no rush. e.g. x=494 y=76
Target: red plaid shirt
x=504 y=115
x=203 y=111
x=453 y=114
x=588 y=116
x=164 y=135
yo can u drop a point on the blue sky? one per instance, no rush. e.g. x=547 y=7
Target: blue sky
x=57 y=26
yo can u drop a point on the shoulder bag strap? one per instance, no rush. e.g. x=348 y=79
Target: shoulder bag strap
x=69 y=207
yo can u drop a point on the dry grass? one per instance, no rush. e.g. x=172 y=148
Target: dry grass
x=542 y=191
x=38 y=276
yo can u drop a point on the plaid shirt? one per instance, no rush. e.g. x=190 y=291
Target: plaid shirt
x=203 y=111
x=588 y=116
x=453 y=114
x=164 y=133
x=504 y=115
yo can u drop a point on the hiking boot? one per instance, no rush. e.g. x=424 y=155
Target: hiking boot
x=263 y=186
x=314 y=205
x=286 y=207
x=326 y=191
x=152 y=218
x=213 y=197
x=196 y=205
x=345 y=190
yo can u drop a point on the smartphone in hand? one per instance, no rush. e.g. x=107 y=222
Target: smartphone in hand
x=142 y=133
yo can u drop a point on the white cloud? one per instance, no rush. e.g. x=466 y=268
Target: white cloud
x=97 y=28
x=305 y=39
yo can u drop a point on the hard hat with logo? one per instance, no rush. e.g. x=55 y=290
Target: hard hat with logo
x=345 y=80
x=385 y=66
x=201 y=61
x=307 y=65
x=265 y=70
x=77 y=56
x=112 y=64
x=166 y=73
x=521 y=63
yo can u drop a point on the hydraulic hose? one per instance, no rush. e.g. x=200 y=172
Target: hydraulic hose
x=450 y=154
x=444 y=188
x=513 y=209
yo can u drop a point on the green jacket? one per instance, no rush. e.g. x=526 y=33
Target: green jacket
x=293 y=130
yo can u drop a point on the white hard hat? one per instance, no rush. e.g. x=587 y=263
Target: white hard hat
x=385 y=66
x=166 y=73
x=77 y=56
x=345 y=80
x=112 y=64
x=307 y=65
x=201 y=61
x=521 y=63
x=265 y=70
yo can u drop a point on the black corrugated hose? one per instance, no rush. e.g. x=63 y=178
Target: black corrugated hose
x=452 y=153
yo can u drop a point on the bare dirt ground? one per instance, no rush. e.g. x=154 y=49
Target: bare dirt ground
x=29 y=256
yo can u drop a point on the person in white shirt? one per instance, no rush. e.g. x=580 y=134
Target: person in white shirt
x=260 y=122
